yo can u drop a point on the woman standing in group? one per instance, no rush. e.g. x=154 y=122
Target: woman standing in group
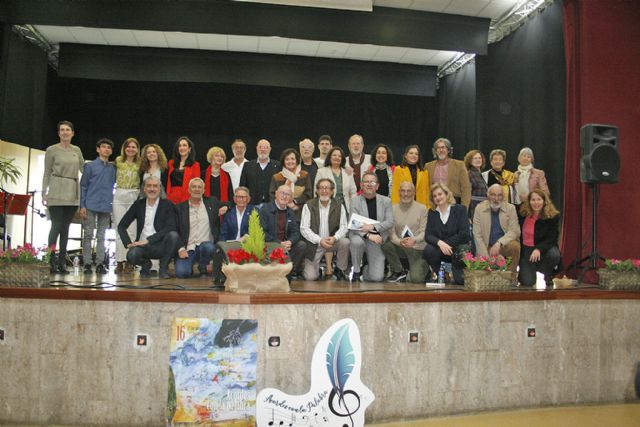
x=293 y=176
x=474 y=161
x=383 y=167
x=528 y=178
x=498 y=175
x=182 y=168
x=153 y=163
x=539 y=221
x=335 y=171
x=217 y=181
x=447 y=233
x=61 y=190
x=411 y=170
x=127 y=191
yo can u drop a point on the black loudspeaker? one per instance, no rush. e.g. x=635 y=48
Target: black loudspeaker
x=600 y=163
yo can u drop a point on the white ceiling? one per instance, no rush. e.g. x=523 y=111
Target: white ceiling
x=493 y=9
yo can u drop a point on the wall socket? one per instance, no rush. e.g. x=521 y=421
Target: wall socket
x=142 y=341
x=531 y=331
x=1 y=335
x=414 y=337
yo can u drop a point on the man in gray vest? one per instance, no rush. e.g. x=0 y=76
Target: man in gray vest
x=324 y=227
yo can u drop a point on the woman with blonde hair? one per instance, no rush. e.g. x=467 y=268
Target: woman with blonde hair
x=217 y=181
x=528 y=178
x=539 y=223
x=127 y=192
x=447 y=233
x=153 y=163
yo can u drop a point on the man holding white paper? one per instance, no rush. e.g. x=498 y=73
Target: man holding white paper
x=369 y=232
x=406 y=237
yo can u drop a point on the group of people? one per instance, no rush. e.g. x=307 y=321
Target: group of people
x=426 y=214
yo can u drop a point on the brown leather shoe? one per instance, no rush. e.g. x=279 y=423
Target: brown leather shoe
x=128 y=268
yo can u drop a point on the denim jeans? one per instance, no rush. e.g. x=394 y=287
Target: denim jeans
x=203 y=253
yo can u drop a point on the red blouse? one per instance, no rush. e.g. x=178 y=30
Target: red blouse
x=528 y=230
x=179 y=194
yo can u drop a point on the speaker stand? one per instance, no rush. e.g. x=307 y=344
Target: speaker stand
x=590 y=262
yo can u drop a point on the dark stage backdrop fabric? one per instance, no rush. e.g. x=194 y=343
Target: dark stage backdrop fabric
x=216 y=114
x=457 y=101
x=602 y=40
x=521 y=96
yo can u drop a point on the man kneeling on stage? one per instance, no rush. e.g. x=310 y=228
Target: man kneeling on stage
x=156 y=235
x=198 y=220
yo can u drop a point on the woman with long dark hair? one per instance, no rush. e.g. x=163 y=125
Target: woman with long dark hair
x=539 y=222
x=382 y=165
x=181 y=168
x=411 y=170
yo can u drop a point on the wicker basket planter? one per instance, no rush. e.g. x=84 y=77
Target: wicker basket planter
x=612 y=279
x=482 y=280
x=254 y=277
x=24 y=275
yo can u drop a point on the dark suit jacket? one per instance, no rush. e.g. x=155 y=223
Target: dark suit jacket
x=268 y=221
x=545 y=233
x=258 y=180
x=212 y=205
x=229 y=228
x=164 y=221
x=455 y=232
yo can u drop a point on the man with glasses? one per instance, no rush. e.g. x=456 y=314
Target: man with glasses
x=280 y=225
x=496 y=230
x=324 y=228
x=450 y=172
x=369 y=238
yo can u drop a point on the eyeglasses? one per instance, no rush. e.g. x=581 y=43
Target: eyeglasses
x=285 y=194
x=370 y=182
x=324 y=188
x=241 y=197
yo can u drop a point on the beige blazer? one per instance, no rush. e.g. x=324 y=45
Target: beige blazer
x=482 y=225
x=348 y=184
x=458 y=180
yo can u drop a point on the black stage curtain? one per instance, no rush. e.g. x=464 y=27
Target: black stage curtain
x=215 y=114
x=23 y=76
x=521 y=93
x=457 y=102
x=513 y=98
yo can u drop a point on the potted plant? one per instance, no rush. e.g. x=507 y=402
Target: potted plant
x=8 y=171
x=25 y=266
x=483 y=273
x=620 y=274
x=255 y=268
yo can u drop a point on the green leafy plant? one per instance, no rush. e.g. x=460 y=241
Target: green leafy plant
x=622 y=265
x=9 y=172
x=254 y=243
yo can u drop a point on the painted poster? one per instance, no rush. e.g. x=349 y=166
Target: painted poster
x=212 y=372
x=337 y=397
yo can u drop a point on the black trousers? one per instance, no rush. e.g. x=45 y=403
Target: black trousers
x=433 y=255
x=61 y=217
x=548 y=261
x=163 y=250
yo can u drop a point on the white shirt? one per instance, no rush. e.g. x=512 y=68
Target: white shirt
x=239 y=221
x=444 y=216
x=234 y=170
x=199 y=228
x=149 y=217
x=319 y=162
x=323 y=231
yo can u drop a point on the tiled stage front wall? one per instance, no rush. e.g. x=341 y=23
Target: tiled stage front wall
x=74 y=362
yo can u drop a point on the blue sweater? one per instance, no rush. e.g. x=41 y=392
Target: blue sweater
x=96 y=186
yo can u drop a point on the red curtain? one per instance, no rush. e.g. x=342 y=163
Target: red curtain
x=602 y=46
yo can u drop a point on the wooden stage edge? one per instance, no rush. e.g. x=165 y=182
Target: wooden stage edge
x=200 y=291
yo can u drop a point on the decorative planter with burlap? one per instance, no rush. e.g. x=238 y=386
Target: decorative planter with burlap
x=34 y=275
x=254 y=277
x=482 y=280
x=614 y=279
